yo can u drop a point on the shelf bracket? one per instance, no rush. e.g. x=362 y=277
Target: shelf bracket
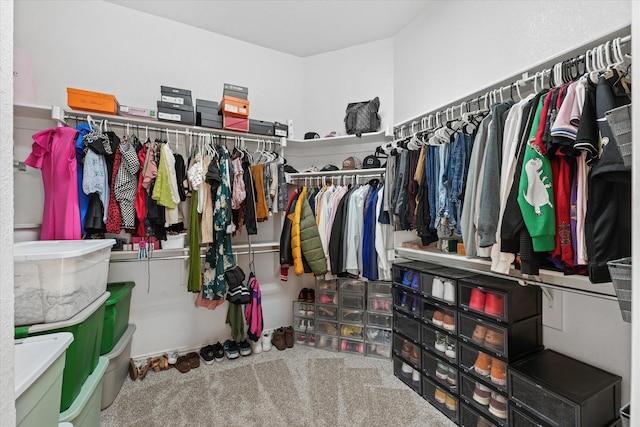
x=549 y=294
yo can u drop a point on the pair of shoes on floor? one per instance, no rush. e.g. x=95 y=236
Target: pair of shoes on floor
x=187 y=362
x=212 y=352
x=160 y=363
x=234 y=349
x=282 y=338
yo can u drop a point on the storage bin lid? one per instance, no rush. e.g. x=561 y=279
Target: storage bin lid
x=34 y=355
x=55 y=249
x=78 y=318
x=124 y=340
x=118 y=291
x=89 y=386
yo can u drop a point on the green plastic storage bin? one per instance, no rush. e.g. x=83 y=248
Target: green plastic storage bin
x=85 y=410
x=116 y=314
x=83 y=353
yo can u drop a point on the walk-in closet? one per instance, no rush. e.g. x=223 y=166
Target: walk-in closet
x=318 y=213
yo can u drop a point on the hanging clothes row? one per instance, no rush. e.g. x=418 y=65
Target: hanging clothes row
x=541 y=178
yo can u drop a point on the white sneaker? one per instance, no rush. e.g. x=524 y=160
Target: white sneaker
x=437 y=288
x=256 y=346
x=449 y=291
x=266 y=340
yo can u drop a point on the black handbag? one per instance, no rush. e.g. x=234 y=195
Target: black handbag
x=362 y=117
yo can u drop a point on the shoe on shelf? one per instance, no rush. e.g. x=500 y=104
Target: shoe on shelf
x=452 y=376
x=449 y=291
x=407 y=278
x=482 y=364
x=302 y=295
x=256 y=346
x=323 y=341
x=442 y=371
x=207 y=354
x=288 y=336
x=406 y=349
x=310 y=310
x=415 y=282
x=325 y=299
x=438 y=317
x=476 y=300
x=415 y=378
x=403 y=300
x=231 y=349
x=448 y=322
x=498 y=371
x=479 y=333
x=278 y=339
x=440 y=395
x=414 y=304
x=406 y=369
x=310 y=327
x=301 y=339
x=451 y=403
x=450 y=350
x=498 y=405
x=218 y=352
x=311 y=340
x=334 y=343
x=414 y=356
x=494 y=305
x=440 y=343
x=494 y=339
x=310 y=296
x=482 y=394
x=266 y=340
x=437 y=288
x=244 y=348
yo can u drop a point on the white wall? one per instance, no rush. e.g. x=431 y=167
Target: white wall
x=103 y=47
x=7 y=407
x=334 y=79
x=456 y=48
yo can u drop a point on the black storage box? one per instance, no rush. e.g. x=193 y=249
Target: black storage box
x=260 y=127
x=183 y=115
x=175 y=95
x=506 y=301
x=203 y=103
x=470 y=417
x=407 y=377
x=445 y=274
x=562 y=391
x=407 y=326
x=441 y=398
x=280 y=129
x=235 y=91
x=468 y=394
x=505 y=341
x=209 y=121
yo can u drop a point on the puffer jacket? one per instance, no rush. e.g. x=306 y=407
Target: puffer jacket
x=286 y=257
x=310 y=239
x=296 y=248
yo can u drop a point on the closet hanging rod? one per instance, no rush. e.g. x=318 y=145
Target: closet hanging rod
x=359 y=172
x=178 y=257
x=185 y=130
x=514 y=82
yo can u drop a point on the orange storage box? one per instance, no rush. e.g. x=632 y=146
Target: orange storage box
x=97 y=102
x=235 y=107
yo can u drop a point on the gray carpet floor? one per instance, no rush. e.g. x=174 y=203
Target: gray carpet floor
x=302 y=386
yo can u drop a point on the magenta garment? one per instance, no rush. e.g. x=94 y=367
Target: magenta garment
x=53 y=151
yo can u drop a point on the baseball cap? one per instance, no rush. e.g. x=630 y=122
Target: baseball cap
x=311 y=135
x=371 y=162
x=329 y=168
x=351 y=163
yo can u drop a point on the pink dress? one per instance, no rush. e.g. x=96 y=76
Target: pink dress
x=53 y=151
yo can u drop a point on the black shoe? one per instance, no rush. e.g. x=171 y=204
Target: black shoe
x=244 y=347
x=207 y=353
x=218 y=352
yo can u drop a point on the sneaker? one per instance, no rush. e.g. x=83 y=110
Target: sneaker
x=449 y=291
x=440 y=343
x=207 y=354
x=479 y=333
x=278 y=339
x=406 y=349
x=483 y=364
x=494 y=305
x=451 y=403
x=415 y=378
x=414 y=304
x=310 y=326
x=415 y=282
x=325 y=299
x=448 y=322
x=438 y=318
x=482 y=394
x=256 y=346
x=482 y=422
x=244 y=347
x=442 y=371
x=476 y=301
x=288 y=337
x=494 y=339
x=329 y=328
x=266 y=340
x=301 y=339
x=231 y=349
x=311 y=295
x=173 y=358
x=414 y=356
x=450 y=350
x=498 y=372
x=437 y=288
x=498 y=405
x=406 y=369
x=403 y=300
x=334 y=343
x=440 y=396
x=302 y=295
x=452 y=376
x=407 y=278
x=302 y=325
x=218 y=352
x=310 y=310
x=302 y=311
x=311 y=340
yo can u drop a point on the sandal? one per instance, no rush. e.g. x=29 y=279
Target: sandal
x=194 y=359
x=144 y=369
x=133 y=370
x=183 y=365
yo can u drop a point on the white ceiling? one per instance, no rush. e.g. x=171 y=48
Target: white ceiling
x=298 y=27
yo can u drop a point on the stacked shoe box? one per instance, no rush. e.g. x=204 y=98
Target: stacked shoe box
x=499 y=322
x=351 y=315
x=235 y=108
x=440 y=343
x=208 y=114
x=326 y=320
x=379 y=320
x=304 y=321
x=175 y=105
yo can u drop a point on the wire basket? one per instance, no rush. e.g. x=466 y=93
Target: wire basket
x=620 y=271
x=619 y=120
